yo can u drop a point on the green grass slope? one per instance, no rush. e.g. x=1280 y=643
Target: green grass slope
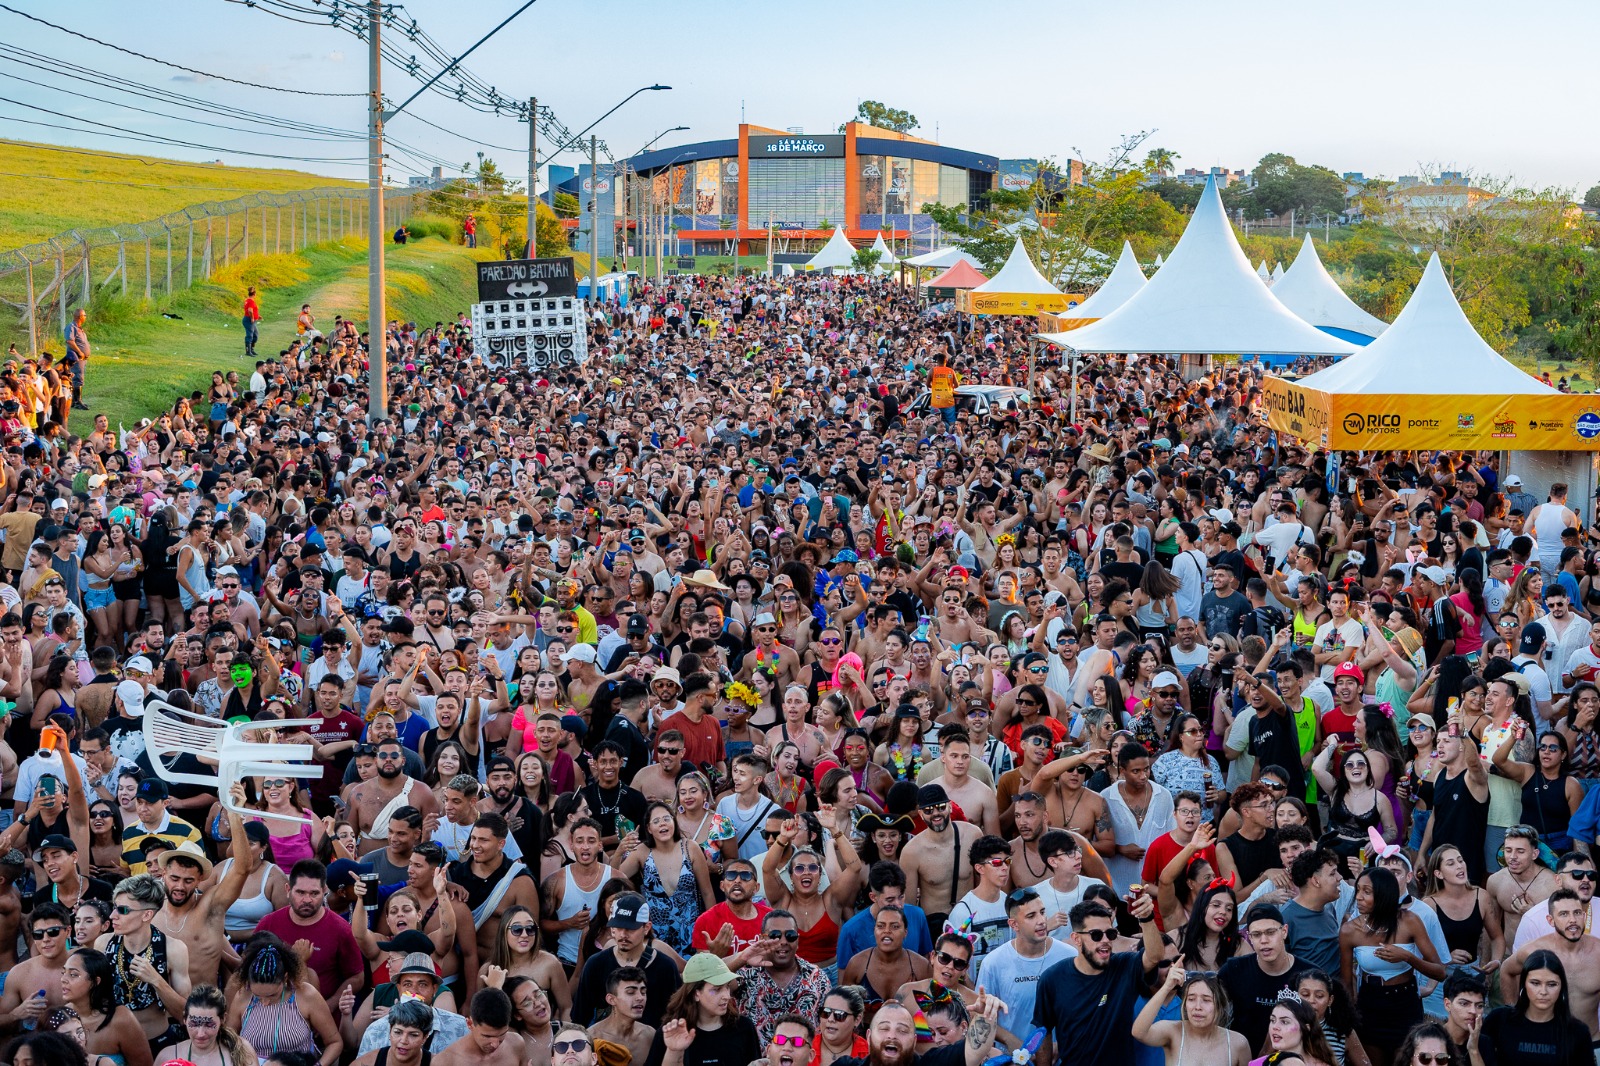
x=143 y=361
x=45 y=191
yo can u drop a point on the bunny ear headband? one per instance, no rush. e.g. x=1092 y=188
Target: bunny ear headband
x=1381 y=850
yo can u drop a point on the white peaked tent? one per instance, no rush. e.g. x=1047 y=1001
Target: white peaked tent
x=1124 y=282
x=1019 y=275
x=943 y=259
x=1277 y=273
x=1205 y=300
x=1263 y=273
x=888 y=260
x=838 y=253
x=1430 y=348
x=1157 y=264
x=1309 y=291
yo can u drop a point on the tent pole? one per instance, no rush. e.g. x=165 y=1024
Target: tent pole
x=1074 y=384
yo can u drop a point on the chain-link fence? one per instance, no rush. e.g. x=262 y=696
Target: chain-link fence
x=41 y=284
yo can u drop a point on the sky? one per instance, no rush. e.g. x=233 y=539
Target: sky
x=1385 y=88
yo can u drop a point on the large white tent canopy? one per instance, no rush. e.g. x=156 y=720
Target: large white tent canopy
x=838 y=253
x=1019 y=275
x=1309 y=291
x=886 y=257
x=1124 y=282
x=1430 y=349
x=943 y=259
x=1206 y=299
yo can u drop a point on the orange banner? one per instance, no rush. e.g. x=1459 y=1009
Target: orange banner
x=1015 y=303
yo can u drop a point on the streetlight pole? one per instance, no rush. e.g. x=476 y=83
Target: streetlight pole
x=630 y=181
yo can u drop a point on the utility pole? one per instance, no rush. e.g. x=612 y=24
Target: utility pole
x=594 y=221
x=533 y=178
x=377 y=313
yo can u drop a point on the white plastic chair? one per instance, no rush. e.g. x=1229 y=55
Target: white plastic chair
x=172 y=731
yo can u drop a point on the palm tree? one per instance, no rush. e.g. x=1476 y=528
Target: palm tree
x=1160 y=161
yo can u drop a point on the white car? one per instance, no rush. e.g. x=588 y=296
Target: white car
x=981 y=400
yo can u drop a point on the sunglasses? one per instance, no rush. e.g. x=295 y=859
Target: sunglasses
x=669 y=751
x=808 y=868
x=1582 y=875
x=834 y=1014
x=522 y=930
x=1096 y=935
x=565 y=1047
x=791 y=935
x=277 y=782
x=830 y=640
x=48 y=931
x=999 y=862
x=780 y=1040
x=1276 y=786
x=743 y=875
x=1425 y=1058
x=947 y=959
x=125 y=910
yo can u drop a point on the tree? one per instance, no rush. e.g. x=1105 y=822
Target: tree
x=1591 y=199
x=866 y=260
x=1159 y=162
x=1283 y=186
x=1178 y=194
x=881 y=115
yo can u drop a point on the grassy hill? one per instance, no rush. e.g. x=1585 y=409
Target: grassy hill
x=45 y=191
x=144 y=360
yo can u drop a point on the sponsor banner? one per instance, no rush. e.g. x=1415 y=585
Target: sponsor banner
x=1056 y=323
x=524 y=279
x=1446 y=422
x=1014 y=303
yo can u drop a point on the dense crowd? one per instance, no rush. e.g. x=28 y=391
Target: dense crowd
x=761 y=690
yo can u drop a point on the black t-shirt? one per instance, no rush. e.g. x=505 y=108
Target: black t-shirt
x=952 y=1055
x=1275 y=741
x=605 y=804
x=1254 y=993
x=1090 y=1017
x=1221 y=614
x=728 y=1045
x=661 y=979
x=1510 y=1037
x=1131 y=573
x=634 y=744
x=93 y=888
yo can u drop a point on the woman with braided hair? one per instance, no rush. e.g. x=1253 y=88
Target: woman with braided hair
x=276 y=1008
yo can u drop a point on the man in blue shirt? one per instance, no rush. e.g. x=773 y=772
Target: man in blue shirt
x=886 y=887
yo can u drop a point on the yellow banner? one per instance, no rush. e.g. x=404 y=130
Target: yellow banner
x=1056 y=323
x=1445 y=422
x=1014 y=303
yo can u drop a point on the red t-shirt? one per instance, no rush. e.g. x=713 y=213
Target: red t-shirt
x=334 y=954
x=702 y=742
x=745 y=931
x=1340 y=722
x=342 y=726
x=1161 y=851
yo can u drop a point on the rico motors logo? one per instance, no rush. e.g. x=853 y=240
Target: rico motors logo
x=1356 y=423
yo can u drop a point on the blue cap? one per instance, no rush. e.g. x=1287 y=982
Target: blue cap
x=343 y=871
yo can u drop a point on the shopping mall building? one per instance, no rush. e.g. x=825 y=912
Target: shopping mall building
x=712 y=197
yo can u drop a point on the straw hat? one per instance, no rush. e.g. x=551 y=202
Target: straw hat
x=1099 y=452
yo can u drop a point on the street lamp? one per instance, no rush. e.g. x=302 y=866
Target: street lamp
x=576 y=137
x=660 y=235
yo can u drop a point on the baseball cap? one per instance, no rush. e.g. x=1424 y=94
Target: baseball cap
x=707 y=967
x=132 y=695
x=1350 y=670
x=583 y=653
x=1437 y=574
x=630 y=912
x=638 y=625
x=140 y=663
x=1166 y=679
x=1513 y=482
x=151 y=789
x=932 y=796
x=343 y=871
x=54 y=842
x=1423 y=720
x=1533 y=638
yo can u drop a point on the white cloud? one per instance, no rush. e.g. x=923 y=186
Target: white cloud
x=336 y=57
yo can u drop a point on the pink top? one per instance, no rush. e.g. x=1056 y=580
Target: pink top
x=288 y=850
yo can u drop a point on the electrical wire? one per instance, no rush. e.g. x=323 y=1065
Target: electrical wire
x=123 y=133
x=147 y=185
x=166 y=63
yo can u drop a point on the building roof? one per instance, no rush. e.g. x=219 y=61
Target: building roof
x=1018 y=275
x=1309 y=291
x=1205 y=299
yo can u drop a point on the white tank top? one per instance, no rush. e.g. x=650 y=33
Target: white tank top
x=573 y=900
x=1548 y=520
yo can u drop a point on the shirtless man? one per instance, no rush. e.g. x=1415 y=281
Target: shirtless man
x=768 y=653
x=493 y=883
x=422 y=871
x=1027 y=868
x=1069 y=805
x=794 y=728
x=373 y=802
x=937 y=855
x=1523 y=882
x=489 y=1040
x=195 y=919
x=953 y=624
x=626 y=995
x=975 y=798
x=659 y=780
x=1579 y=952
x=13 y=867
x=33 y=987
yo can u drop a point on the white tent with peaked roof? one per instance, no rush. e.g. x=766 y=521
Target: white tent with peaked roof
x=838 y=253
x=1157 y=264
x=888 y=260
x=1309 y=291
x=1124 y=282
x=1206 y=299
x=943 y=259
x=1277 y=273
x=1430 y=348
x=1019 y=275
x=1263 y=273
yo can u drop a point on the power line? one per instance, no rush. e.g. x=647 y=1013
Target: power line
x=124 y=133
x=166 y=63
x=118 y=156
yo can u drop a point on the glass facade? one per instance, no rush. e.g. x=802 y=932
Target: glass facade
x=796 y=192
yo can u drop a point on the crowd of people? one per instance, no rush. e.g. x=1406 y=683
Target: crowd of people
x=754 y=693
